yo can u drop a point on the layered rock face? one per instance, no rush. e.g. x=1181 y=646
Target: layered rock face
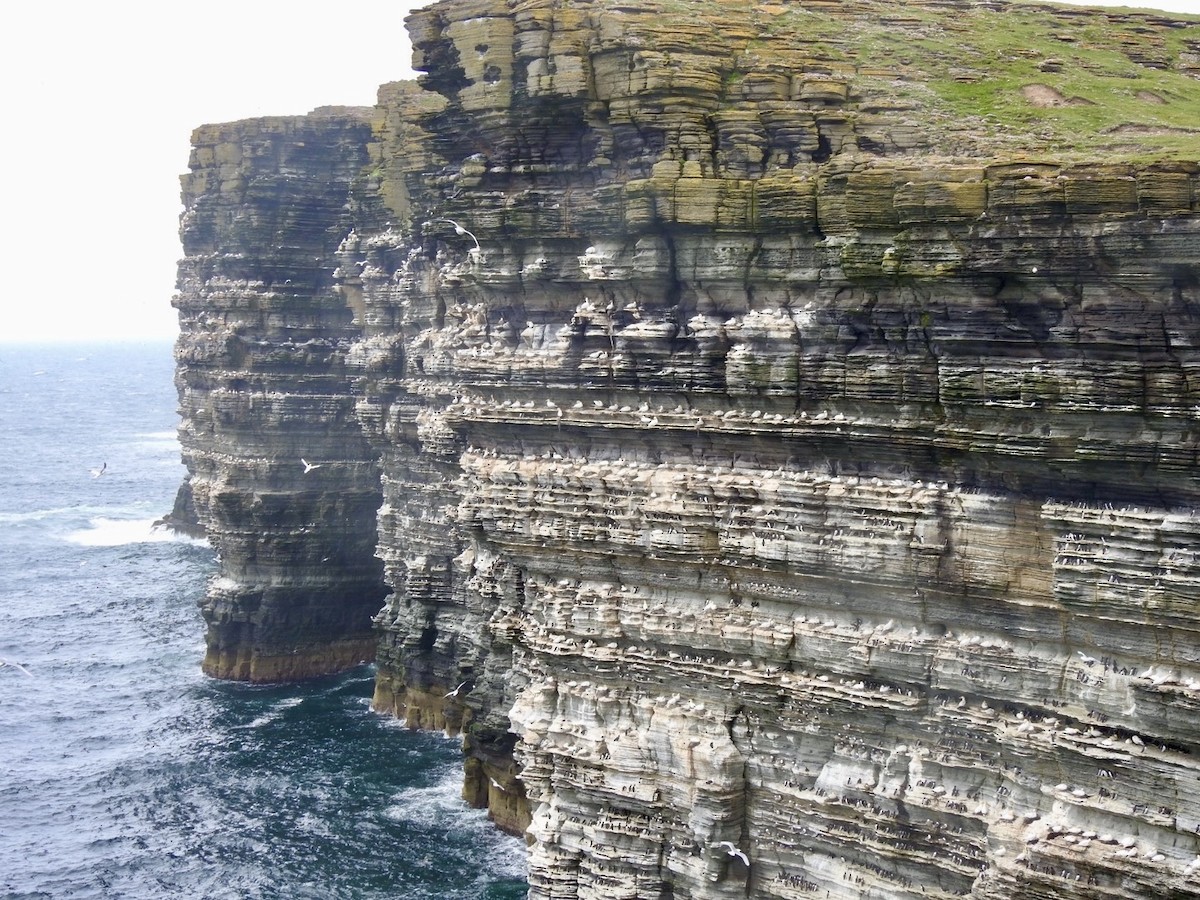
x=789 y=481
x=261 y=372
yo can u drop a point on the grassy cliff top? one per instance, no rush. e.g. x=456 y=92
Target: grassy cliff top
x=974 y=76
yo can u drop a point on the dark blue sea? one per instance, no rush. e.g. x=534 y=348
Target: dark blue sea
x=124 y=772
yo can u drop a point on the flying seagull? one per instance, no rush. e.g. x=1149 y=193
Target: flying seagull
x=497 y=785
x=454 y=693
x=731 y=850
x=308 y=467
x=458 y=229
x=96 y=473
x=12 y=665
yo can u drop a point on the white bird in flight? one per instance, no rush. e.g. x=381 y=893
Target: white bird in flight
x=497 y=785
x=4 y=663
x=308 y=467
x=454 y=693
x=458 y=229
x=96 y=473
x=732 y=850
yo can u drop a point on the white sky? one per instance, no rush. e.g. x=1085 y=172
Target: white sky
x=99 y=101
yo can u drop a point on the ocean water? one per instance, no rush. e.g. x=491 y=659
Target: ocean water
x=124 y=772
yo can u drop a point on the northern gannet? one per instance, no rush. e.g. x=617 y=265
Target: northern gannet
x=731 y=850
x=12 y=665
x=458 y=229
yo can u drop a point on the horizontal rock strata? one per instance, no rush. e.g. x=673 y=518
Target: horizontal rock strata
x=261 y=370
x=789 y=480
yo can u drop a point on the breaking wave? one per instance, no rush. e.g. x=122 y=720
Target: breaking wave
x=106 y=532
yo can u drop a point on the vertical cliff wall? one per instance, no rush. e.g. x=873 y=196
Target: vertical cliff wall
x=263 y=386
x=787 y=426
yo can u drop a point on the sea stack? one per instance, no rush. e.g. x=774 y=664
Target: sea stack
x=263 y=384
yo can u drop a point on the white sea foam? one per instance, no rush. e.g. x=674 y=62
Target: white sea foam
x=508 y=856
x=273 y=714
x=439 y=804
x=157 y=441
x=105 y=532
x=428 y=806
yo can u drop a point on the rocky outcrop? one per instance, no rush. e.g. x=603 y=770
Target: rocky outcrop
x=282 y=479
x=183 y=519
x=788 y=444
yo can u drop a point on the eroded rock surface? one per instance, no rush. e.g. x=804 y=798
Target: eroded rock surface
x=788 y=482
x=261 y=370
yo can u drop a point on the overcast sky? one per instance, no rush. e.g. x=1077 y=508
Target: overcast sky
x=99 y=101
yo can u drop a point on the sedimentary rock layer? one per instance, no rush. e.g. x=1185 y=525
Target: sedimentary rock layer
x=789 y=475
x=262 y=385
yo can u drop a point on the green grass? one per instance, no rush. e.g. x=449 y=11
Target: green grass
x=964 y=69
x=1101 y=83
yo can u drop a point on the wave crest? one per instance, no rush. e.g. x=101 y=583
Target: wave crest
x=106 y=532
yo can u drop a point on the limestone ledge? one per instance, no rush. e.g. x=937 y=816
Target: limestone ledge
x=245 y=662
x=853 y=194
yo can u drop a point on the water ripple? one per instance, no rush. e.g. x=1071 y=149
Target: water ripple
x=130 y=776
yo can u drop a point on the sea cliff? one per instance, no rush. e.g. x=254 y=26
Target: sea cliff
x=775 y=424
x=280 y=475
